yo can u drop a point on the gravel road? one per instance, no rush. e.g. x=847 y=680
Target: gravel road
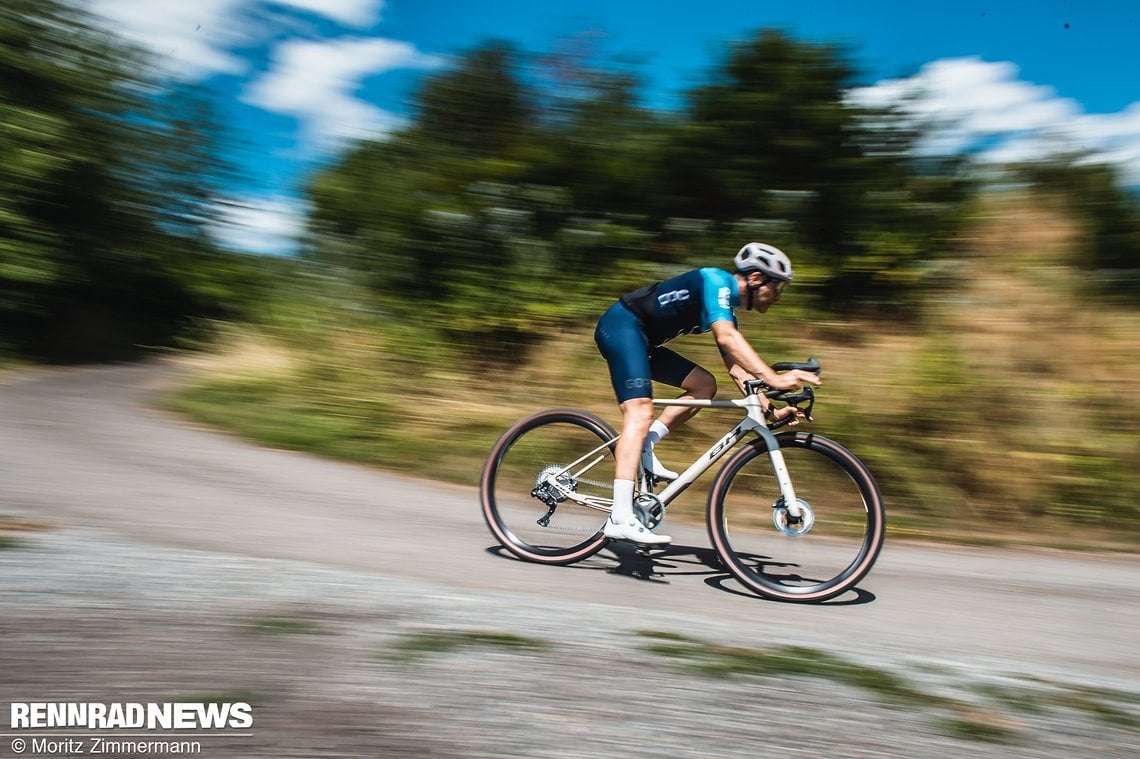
x=171 y=563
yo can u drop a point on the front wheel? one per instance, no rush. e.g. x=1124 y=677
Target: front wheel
x=547 y=486
x=811 y=559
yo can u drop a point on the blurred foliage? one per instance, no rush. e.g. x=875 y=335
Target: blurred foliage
x=105 y=194
x=1110 y=217
x=514 y=207
x=770 y=148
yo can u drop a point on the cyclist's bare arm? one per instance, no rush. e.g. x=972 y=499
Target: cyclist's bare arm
x=738 y=373
x=744 y=363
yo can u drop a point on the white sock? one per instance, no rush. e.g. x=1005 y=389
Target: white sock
x=623 y=501
x=657 y=430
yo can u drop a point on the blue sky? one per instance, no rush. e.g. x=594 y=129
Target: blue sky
x=299 y=79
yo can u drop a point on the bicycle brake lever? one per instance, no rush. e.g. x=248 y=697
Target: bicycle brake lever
x=754 y=386
x=794 y=400
x=810 y=397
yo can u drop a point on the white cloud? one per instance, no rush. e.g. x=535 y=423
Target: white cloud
x=194 y=39
x=316 y=82
x=361 y=13
x=966 y=104
x=189 y=39
x=310 y=80
x=270 y=226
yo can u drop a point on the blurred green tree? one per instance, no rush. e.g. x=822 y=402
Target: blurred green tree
x=103 y=194
x=528 y=193
x=772 y=139
x=490 y=215
x=478 y=108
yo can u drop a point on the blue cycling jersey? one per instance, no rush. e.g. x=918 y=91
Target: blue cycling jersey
x=631 y=333
x=684 y=305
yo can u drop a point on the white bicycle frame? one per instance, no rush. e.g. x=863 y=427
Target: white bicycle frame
x=753 y=422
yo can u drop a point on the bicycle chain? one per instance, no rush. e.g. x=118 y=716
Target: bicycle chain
x=577 y=480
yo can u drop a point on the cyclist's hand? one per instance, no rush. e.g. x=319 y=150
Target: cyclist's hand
x=794 y=380
x=788 y=411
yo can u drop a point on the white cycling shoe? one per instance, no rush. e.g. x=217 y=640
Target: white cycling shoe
x=633 y=530
x=650 y=464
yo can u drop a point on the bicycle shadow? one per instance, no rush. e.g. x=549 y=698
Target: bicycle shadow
x=659 y=565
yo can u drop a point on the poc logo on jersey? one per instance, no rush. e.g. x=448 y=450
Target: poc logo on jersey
x=722 y=297
x=672 y=296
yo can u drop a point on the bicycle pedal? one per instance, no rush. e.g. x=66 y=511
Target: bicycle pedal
x=651 y=550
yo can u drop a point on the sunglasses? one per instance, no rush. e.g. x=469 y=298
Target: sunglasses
x=779 y=283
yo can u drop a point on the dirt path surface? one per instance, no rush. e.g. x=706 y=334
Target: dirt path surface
x=184 y=565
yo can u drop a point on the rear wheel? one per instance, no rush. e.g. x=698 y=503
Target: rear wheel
x=547 y=486
x=817 y=557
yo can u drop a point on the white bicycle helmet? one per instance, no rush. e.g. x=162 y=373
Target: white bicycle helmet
x=766 y=259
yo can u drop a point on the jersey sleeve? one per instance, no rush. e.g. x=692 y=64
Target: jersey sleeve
x=717 y=297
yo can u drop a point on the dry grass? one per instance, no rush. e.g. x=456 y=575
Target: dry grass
x=241 y=353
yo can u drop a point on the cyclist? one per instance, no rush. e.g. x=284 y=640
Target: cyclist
x=631 y=335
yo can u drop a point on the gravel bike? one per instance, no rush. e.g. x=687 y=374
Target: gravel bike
x=792 y=515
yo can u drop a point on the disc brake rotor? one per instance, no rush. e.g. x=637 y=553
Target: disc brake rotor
x=788 y=525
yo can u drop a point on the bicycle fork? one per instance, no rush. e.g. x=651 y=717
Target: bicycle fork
x=752 y=423
x=783 y=478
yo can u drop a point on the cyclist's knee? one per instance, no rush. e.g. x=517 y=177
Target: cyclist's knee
x=638 y=411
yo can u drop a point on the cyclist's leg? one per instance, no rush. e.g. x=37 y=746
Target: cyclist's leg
x=637 y=414
x=623 y=344
x=673 y=369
